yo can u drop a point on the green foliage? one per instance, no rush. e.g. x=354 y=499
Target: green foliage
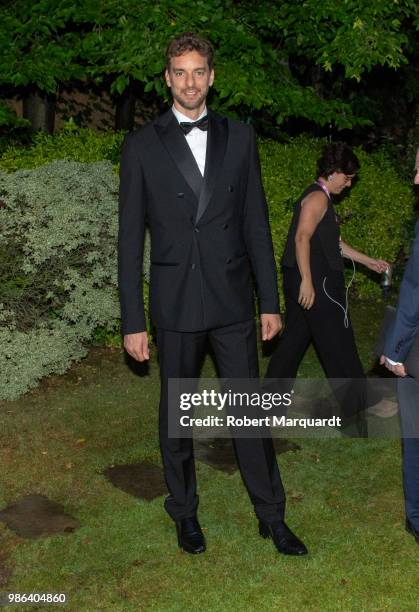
x=252 y=74
x=8 y=118
x=71 y=143
x=39 y=46
x=12 y=127
x=58 y=240
x=358 y=35
x=373 y=214
x=57 y=246
x=262 y=48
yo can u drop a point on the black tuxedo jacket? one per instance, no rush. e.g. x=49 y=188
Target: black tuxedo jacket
x=210 y=237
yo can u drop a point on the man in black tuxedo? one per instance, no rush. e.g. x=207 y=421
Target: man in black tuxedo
x=194 y=177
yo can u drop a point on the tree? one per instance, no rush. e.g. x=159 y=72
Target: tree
x=274 y=59
x=277 y=61
x=40 y=50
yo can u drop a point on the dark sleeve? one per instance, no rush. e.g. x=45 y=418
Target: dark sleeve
x=406 y=325
x=257 y=235
x=131 y=238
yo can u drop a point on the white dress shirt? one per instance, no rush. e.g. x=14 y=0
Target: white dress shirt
x=196 y=139
x=391 y=362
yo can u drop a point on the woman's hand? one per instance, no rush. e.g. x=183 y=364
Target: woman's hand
x=377 y=265
x=307 y=294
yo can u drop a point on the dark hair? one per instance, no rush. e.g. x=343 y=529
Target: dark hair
x=337 y=157
x=189 y=41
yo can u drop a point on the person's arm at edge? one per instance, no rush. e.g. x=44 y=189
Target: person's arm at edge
x=130 y=251
x=407 y=315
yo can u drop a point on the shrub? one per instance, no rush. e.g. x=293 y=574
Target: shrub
x=58 y=278
x=71 y=143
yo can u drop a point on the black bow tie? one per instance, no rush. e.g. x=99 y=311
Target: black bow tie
x=187 y=126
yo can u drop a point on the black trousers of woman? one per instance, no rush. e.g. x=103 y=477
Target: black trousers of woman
x=323 y=325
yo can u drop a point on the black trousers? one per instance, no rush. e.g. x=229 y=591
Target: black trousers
x=322 y=325
x=180 y=356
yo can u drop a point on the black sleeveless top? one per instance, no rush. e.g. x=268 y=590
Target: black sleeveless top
x=324 y=242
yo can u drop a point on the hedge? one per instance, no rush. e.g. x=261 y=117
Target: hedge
x=58 y=240
x=58 y=277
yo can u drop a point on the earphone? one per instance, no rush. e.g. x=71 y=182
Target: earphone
x=344 y=308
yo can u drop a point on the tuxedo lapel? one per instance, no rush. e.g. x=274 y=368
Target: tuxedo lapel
x=171 y=135
x=216 y=146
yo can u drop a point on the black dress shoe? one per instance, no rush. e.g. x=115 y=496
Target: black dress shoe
x=190 y=536
x=285 y=541
x=412 y=530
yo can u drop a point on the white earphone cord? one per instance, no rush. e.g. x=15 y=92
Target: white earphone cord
x=345 y=309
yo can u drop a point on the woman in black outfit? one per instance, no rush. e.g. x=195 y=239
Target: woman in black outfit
x=314 y=287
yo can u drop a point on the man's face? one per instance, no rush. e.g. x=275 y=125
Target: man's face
x=189 y=78
x=416 y=180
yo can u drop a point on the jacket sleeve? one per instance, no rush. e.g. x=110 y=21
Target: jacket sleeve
x=131 y=238
x=406 y=324
x=257 y=235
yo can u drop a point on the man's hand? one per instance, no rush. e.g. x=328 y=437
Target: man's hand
x=137 y=345
x=271 y=324
x=398 y=370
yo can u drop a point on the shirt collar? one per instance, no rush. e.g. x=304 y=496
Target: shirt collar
x=181 y=117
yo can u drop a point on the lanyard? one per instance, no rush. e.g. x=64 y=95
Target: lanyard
x=325 y=189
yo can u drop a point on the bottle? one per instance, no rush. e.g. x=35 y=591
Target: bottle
x=386 y=279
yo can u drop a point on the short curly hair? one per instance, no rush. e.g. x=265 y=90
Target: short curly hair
x=337 y=157
x=189 y=41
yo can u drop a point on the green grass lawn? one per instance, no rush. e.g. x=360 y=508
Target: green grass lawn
x=344 y=499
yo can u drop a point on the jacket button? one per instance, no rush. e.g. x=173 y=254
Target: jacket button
x=180 y=194
x=193 y=266
x=225 y=226
x=230 y=188
x=228 y=260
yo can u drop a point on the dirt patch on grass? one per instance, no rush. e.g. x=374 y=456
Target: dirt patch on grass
x=84 y=371
x=144 y=480
x=35 y=516
x=219 y=452
x=285 y=446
